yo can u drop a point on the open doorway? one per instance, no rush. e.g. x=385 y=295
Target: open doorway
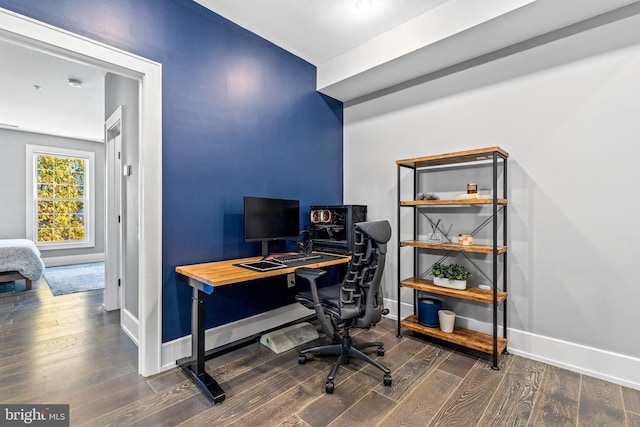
x=147 y=74
x=81 y=206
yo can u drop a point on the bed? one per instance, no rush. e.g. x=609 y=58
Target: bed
x=20 y=259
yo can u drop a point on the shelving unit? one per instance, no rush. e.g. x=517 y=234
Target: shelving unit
x=496 y=158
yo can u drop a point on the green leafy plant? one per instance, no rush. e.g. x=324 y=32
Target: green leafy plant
x=459 y=272
x=438 y=270
x=451 y=271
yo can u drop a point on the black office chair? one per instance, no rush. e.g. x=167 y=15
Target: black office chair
x=354 y=303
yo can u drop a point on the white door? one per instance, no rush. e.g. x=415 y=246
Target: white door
x=121 y=243
x=113 y=242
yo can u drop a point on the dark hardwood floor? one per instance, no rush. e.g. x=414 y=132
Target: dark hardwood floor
x=66 y=349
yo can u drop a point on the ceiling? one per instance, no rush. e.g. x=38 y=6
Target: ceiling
x=37 y=98
x=319 y=30
x=358 y=53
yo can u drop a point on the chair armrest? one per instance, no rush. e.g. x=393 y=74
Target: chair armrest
x=312 y=275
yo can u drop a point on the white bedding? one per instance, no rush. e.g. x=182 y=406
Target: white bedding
x=21 y=255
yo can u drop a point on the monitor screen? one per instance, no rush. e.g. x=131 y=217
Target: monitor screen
x=271 y=219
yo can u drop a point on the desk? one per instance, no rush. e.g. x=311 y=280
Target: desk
x=203 y=278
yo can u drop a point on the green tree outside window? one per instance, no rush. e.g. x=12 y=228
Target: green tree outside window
x=61 y=198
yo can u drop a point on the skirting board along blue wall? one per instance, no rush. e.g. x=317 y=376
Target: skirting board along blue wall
x=241 y=116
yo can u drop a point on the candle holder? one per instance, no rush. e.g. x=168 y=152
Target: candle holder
x=465 y=239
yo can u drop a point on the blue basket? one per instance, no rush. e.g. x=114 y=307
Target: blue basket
x=428 y=312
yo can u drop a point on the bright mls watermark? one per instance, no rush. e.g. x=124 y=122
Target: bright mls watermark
x=35 y=415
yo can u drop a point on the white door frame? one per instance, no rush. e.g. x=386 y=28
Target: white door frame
x=113 y=228
x=22 y=29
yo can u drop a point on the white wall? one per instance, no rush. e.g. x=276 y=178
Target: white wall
x=13 y=191
x=568 y=113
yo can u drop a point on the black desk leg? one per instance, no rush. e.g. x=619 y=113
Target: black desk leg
x=194 y=367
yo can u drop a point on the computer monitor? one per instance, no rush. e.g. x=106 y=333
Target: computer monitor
x=267 y=220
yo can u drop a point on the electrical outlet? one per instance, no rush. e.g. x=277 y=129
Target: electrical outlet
x=291 y=280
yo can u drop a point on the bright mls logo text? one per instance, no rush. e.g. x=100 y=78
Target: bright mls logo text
x=40 y=415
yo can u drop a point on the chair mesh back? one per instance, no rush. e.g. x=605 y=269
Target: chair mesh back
x=361 y=275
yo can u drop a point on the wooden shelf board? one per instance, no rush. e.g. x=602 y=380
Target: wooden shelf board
x=484 y=249
x=456 y=157
x=452 y=202
x=472 y=294
x=471 y=339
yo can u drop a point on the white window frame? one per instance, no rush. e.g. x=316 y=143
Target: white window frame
x=32 y=196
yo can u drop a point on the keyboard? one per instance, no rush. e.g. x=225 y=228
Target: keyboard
x=295 y=257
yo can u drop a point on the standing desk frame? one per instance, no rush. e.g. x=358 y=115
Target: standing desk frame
x=203 y=279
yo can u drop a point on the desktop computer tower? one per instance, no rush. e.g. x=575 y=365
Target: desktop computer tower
x=331 y=227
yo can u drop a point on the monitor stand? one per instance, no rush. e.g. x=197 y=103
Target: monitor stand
x=265 y=249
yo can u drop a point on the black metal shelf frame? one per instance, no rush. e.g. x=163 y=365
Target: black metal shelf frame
x=497 y=159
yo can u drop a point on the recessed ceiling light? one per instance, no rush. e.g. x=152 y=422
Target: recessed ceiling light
x=75 y=82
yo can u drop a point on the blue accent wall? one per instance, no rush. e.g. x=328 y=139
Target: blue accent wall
x=241 y=116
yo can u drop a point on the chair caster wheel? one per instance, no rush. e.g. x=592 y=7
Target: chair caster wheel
x=302 y=359
x=329 y=387
x=380 y=351
x=387 y=380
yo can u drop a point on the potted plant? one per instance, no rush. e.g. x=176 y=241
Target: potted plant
x=440 y=274
x=459 y=272
x=450 y=276
x=458 y=276
x=438 y=270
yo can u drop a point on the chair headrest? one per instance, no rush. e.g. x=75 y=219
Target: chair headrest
x=380 y=231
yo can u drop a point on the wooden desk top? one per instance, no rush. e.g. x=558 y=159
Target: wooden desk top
x=222 y=273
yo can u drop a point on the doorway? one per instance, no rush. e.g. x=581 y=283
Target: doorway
x=59 y=42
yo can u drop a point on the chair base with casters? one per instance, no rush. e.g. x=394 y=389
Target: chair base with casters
x=354 y=303
x=346 y=350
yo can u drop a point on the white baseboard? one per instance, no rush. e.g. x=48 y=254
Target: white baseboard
x=231 y=332
x=129 y=325
x=72 y=259
x=605 y=365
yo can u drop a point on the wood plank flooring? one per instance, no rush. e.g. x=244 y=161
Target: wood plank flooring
x=67 y=349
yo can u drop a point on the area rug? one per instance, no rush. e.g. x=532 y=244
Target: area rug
x=70 y=279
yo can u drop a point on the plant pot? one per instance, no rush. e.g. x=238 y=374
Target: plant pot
x=441 y=281
x=450 y=283
x=428 y=311
x=447 y=320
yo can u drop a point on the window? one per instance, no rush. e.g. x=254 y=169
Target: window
x=60 y=205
